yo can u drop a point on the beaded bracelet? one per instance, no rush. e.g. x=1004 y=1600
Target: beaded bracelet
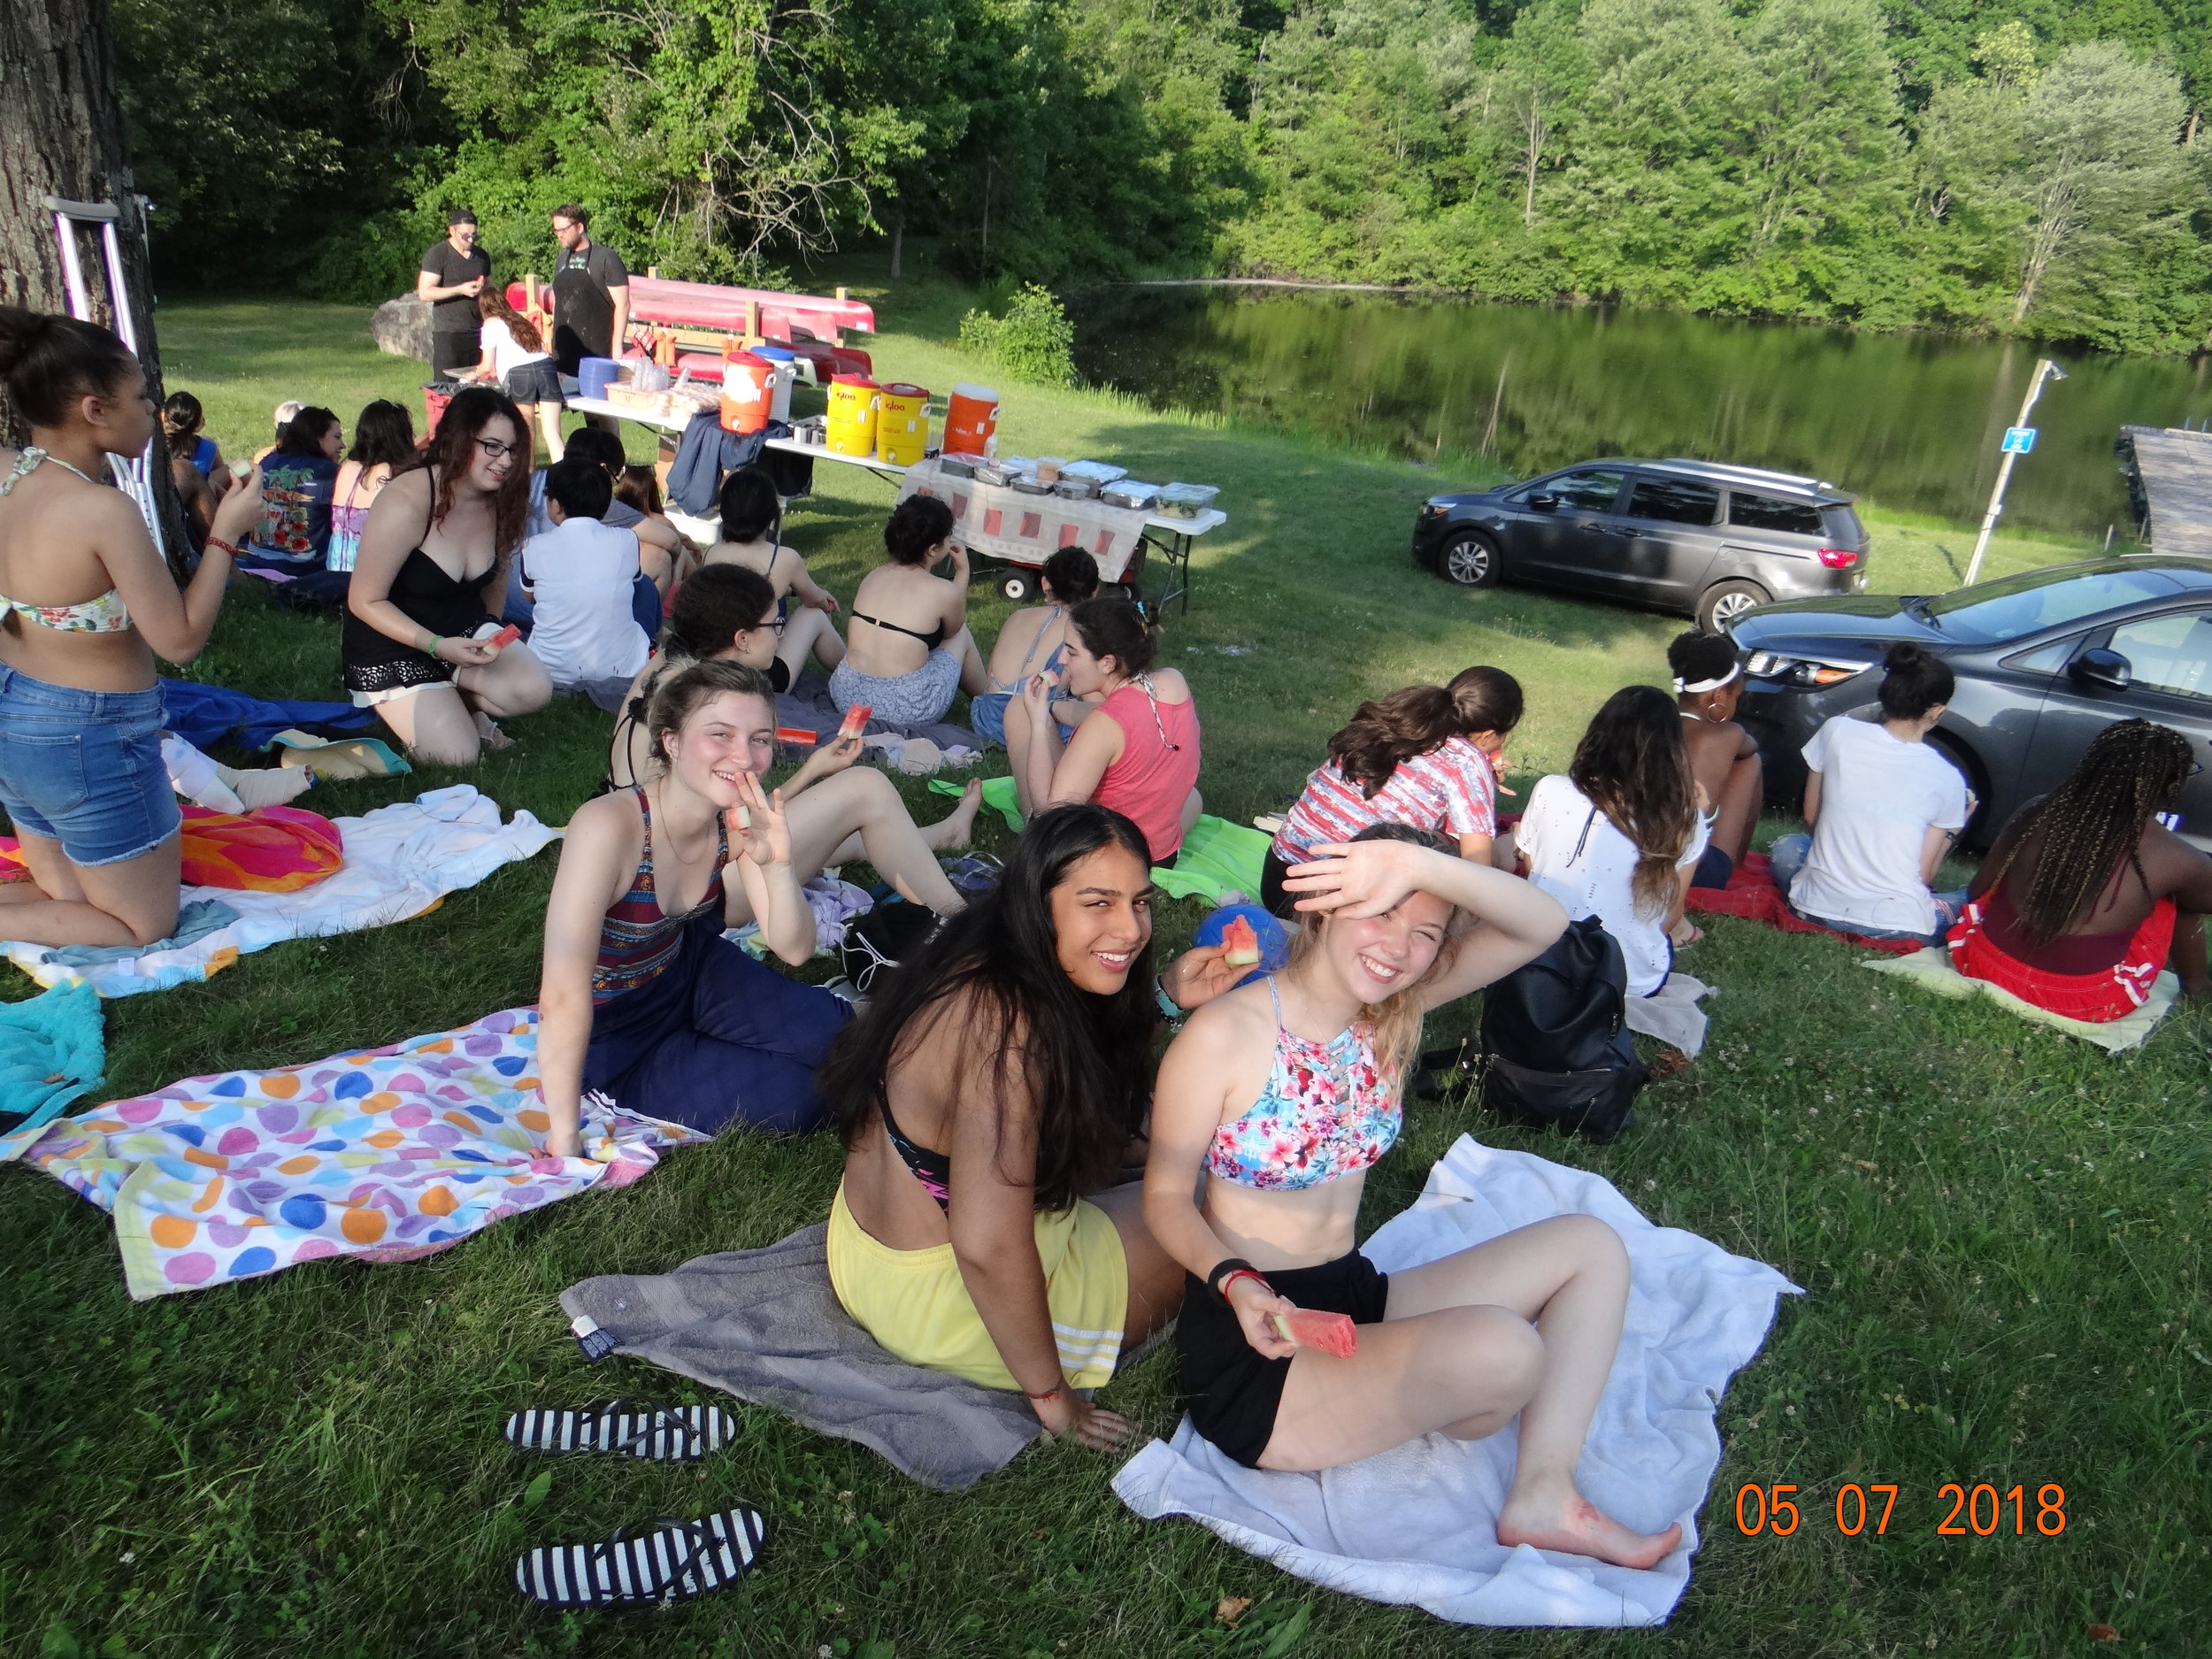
x=1173 y=1010
x=230 y=548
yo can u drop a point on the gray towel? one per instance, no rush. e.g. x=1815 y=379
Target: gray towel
x=765 y=1325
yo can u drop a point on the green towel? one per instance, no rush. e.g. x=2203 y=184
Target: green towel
x=1931 y=970
x=53 y=1048
x=1218 y=858
x=998 y=795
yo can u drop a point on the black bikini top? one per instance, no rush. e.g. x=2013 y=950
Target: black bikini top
x=935 y=638
x=933 y=1169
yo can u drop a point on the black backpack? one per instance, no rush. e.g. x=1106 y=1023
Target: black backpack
x=876 y=942
x=1556 y=1038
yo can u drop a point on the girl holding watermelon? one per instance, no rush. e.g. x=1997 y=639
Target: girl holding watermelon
x=1278 y=1097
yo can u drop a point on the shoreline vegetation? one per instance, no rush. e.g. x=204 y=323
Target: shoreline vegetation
x=2037 y=172
x=2001 y=1233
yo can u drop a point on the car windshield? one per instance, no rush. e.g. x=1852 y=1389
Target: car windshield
x=2041 y=599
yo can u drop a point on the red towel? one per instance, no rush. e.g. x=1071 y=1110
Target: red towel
x=1752 y=896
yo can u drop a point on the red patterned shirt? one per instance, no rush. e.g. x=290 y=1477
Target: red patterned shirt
x=1450 y=789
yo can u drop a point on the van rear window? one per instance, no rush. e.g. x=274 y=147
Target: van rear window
x=1772 y=512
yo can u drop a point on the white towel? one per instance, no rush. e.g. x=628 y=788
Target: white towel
x=400 y=861
x=1418 y=1524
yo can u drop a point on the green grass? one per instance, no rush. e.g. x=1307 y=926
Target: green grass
x=1999 y=1231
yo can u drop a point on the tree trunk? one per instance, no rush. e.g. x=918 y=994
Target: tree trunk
x=61 y=134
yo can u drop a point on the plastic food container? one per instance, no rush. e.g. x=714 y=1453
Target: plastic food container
x=1128 y=492
x=1102 y=472
x=1049 y=469
x=1077 y=489
x=955 y=466
x=1187 y=501
x=991 y=473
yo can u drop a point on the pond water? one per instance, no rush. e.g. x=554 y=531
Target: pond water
x=1911 y=421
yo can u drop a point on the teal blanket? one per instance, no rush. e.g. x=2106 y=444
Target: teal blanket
x=53 y=1048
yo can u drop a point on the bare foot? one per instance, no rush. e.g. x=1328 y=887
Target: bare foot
x=953 y=832
x=488 y=730
x=1579 y=1527
x=1686 y=933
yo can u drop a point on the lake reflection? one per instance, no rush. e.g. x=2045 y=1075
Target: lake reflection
x=1911 y=421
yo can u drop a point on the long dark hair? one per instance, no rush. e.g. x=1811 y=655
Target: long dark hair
x=1083 y=1061
x=383 y=435
x=452 y=450
x=492 y=303
x=1395 y=728
x=2095 y=819
x=1634 y=767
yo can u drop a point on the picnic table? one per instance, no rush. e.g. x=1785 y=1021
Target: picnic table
x=1173 y=539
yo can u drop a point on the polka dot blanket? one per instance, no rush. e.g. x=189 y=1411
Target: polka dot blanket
x=387 y=1155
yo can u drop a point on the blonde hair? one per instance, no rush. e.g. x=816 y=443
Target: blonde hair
x=1397 y=1019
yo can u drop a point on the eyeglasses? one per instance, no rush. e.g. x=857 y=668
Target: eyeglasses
x=774 y=625
x=496 y=451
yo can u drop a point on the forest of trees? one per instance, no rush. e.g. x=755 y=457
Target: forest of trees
x=2025 y=166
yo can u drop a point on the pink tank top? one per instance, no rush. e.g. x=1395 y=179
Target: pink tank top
x=1158 y=766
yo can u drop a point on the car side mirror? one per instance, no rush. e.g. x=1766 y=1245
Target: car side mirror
x=2107 y=670
x=1544 y=501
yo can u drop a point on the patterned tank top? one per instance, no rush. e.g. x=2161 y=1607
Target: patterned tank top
x=636 y=941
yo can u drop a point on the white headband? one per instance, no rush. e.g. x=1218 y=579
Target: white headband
x=1682 y=688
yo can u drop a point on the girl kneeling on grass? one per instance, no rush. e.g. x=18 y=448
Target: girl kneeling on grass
x=987 y=1098
x=837 y=811
x=80 y=713
x=1279 y=1096
x=640 y=999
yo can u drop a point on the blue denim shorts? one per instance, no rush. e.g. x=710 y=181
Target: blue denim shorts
x=84 y=768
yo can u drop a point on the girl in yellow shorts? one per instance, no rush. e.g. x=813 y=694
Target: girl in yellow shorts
x=988 y=1097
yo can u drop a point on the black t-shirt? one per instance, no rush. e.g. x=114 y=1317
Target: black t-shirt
x=448 y=269
x=583 y=312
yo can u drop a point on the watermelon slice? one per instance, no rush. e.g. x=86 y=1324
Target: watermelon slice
x=1243 y=944
x=505 y=637
x=1331 y=1334
x=855 y=721
x=797 y=734
x=737 y=819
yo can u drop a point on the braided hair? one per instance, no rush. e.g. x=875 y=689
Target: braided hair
x=2093 y=820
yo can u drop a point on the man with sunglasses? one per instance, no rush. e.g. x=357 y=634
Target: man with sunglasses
x=453 y=274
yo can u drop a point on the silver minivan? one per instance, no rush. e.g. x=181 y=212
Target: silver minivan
x=1697 y=538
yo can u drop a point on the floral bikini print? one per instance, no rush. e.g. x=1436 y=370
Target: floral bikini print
x=1328 y=1109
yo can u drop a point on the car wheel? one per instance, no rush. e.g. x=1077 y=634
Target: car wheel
x=1470 y=560
x=1972 y=836
x=1724 y=602
x=1017 y=586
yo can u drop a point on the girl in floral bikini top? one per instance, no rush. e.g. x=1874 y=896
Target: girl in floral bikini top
x=1279 y=1105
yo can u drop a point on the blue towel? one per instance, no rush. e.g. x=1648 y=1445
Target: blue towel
x=52 y=1049
x=203 y=715
x=196 y=920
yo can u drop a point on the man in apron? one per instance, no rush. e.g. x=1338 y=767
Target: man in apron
x=591 y=297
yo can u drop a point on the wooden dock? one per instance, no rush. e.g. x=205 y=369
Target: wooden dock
x=2170 y=486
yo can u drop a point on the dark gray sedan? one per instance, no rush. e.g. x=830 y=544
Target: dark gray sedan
x=2044 y=661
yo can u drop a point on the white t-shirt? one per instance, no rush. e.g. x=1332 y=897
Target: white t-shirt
x=580 y=573
x=1879 y=796
x=494 y=337
x=1593 y=873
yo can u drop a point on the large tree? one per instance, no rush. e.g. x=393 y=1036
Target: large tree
x=61 y=134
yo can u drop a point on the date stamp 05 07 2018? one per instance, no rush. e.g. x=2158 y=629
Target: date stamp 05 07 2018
x=1764 y=1508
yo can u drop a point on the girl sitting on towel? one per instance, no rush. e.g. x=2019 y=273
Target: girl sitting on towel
x=1277 y=1097
x=2087 y=895
x=640 y=999
x=837 y=811
x=987 y=1097
x=1137 y=751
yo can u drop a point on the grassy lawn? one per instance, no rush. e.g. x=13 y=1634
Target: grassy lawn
x=1996 y=1227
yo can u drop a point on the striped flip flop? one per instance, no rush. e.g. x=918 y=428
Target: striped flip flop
x=641 y=1428
x=659 y=1562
